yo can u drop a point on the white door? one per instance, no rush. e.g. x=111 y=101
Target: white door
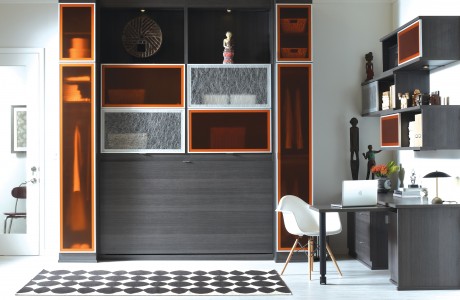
x=21 y=99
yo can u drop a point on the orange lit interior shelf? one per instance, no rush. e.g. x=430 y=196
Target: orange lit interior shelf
x=143 y=85
x=293 y=32
x=77 y=31
x=229 y=131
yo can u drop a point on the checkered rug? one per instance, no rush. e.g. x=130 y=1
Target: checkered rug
x=141 y=282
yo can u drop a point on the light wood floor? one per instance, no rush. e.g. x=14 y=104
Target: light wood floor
x=358 y=281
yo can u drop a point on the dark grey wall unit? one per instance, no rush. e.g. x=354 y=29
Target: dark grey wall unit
x=436 y=230
x=186 y=205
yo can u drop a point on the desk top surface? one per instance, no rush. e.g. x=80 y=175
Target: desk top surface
x=386 y=202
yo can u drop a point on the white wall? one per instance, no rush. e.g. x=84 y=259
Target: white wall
x=343 y=32
x=34 y=24
x=445 y=80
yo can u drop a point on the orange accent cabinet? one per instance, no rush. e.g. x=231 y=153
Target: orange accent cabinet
x=77 y=71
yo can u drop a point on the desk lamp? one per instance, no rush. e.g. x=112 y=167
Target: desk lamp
x=436 y=174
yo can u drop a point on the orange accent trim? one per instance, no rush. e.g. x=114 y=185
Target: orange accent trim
x=61 y=31
x=92 y=157
x=126 y=66
x=191 y=112
x=389 y=144
x=402 y=33
x=279 y=7
x=310 y=138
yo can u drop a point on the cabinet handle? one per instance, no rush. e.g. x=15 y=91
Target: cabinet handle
x=187 y=161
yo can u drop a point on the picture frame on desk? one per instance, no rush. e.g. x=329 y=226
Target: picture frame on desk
x=390 y=131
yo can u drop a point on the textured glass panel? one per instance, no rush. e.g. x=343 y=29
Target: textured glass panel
x=143 y=131
x=229 y=85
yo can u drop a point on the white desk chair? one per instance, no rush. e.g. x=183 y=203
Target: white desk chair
x=300 y=220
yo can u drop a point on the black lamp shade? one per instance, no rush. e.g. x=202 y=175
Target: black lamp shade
x=436 y=174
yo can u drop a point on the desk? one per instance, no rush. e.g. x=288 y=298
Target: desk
x=423 y=241
x=323 y=209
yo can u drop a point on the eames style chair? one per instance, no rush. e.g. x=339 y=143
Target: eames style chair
x=19 y=193
x=300 y=220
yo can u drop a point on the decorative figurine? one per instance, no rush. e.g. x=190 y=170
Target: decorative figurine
x=401 y=174
x=370 y=156
x=416 y=98
x=369 y=66
x=354 y=148
x=228 y=48
x=412 y=180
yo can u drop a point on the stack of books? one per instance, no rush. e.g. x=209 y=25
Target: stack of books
x=415 y=132
x=386 y=100
x=407 y=192
x=389 y=98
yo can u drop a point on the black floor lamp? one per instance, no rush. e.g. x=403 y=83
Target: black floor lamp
x=436 y=174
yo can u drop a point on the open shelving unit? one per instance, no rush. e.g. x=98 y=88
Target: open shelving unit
x=410 y=53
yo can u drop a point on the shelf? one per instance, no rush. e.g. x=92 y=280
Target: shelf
x=250 y=28
x=229 y=86
x=142 y=130
x=112 y=25
x=293 y=32
x=143 y=85
x=76 y=82
x=76 y=31
x=229 y=131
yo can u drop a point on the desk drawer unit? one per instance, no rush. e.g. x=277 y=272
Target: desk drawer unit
x=369 y=239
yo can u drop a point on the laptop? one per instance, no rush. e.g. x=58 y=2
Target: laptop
x=358 y=193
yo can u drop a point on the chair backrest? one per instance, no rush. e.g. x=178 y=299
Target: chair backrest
x=19 y=192
x=298 y=218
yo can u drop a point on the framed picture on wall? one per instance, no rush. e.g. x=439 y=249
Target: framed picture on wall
x=18 y=128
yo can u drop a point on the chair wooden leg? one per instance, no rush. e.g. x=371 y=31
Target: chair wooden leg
x=333 y=259
x=290 y=255
x=310 y=256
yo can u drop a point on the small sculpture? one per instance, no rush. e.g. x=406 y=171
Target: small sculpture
x=370 y=156
x=369 y=66
x=401 y=174
x=228 y=48
x=354 y=148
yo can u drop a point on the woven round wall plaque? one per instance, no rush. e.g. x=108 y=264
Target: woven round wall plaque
x=142 y=37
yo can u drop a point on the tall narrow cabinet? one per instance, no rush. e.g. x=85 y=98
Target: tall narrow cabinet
x=294 y=98
x=77 y=69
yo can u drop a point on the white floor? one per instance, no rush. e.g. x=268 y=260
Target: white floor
x=358 y=281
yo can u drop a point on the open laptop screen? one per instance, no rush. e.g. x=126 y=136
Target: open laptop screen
x=359 y=193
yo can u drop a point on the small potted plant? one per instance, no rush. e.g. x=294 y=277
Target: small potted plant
x=383 y=172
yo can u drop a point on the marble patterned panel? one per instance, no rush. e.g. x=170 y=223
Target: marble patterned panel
x=229 y=86
x=143 y=131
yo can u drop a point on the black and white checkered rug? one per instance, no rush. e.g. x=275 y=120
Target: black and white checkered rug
x=141 y=282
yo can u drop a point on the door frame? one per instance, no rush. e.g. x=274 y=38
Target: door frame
x=40 y=164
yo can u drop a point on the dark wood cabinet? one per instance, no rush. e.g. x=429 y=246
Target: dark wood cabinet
x=367 y=238
x=186 y=205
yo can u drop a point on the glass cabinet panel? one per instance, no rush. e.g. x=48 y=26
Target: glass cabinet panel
x=294 y=137
x=229 y=131
x=409 y=46
x=77 y=158
x=76 y=31
x=143 y=85
x=143 y=130
x=229 y=86
x=293 y=32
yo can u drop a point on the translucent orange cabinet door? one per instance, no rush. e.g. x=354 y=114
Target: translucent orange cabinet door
x=294 y=138
x=77 y=157
x=76 y=31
